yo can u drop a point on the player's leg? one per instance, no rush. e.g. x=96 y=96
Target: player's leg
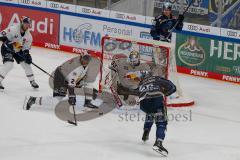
x=7 y=66
x=161 y=125
x=48 y=101
x=160 y=136
x=59 y=92
x=91 y=98
x=145 y=106
x=25 y=60
x=149 y=119
x=29 y=73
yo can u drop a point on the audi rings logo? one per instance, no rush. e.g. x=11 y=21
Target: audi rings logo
x=192 y=28
x=26 y=1
x=236 y=69
x=54 y=5
x=121 y=16
x=86 y=10
x=232 y=34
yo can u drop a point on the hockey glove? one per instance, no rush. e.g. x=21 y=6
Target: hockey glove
x=180 y=18
x=72 y=100
x=3 y=39
x=9 y=47
x=27 y=57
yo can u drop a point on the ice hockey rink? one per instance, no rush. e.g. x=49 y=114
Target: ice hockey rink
x=210 y=130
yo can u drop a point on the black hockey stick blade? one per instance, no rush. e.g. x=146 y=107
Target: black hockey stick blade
x=71 y=122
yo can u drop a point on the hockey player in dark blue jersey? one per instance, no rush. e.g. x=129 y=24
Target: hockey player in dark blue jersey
x=163 y=24
x=153 y=90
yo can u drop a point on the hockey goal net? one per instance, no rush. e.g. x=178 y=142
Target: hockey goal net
x=159 y=55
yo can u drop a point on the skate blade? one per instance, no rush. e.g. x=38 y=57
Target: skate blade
x=165 y=154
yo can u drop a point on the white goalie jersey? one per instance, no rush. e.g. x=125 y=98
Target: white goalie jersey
x=127 y=75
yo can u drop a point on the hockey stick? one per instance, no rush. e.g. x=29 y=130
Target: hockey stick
x=74 y=116
x=171 y=30
x=42 y=70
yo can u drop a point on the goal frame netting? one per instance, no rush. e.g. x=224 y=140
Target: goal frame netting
x=179 y=99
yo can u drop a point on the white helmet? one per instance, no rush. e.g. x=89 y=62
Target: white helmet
x=134 y=58
x=167 y=6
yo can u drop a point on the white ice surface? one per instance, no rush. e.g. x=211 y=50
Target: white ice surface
x=211 y=134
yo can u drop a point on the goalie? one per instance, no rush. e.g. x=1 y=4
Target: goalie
x=66 y=77
x=127 y=73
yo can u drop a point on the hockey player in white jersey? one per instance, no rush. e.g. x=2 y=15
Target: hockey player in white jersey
x=129 y=72
x=66 y=78
x=17 y=41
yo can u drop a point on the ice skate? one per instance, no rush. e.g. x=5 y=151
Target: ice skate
x=145 y=136
x=158 y=147
x=34 y=84
x=29 y=101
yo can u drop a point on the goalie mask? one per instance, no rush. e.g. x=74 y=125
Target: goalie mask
x=84 y=60
x=134 y=58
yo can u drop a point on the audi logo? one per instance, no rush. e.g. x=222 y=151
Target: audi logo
x=231 y=33
x=86 y=10
x=192 y=27
x=26 y=1
x=54 y=5
x=122 y=16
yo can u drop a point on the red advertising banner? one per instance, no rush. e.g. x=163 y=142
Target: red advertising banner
x=45 y=25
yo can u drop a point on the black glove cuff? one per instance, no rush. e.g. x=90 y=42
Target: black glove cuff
x=4 y=39
x=26 y=51
x=181 y=17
